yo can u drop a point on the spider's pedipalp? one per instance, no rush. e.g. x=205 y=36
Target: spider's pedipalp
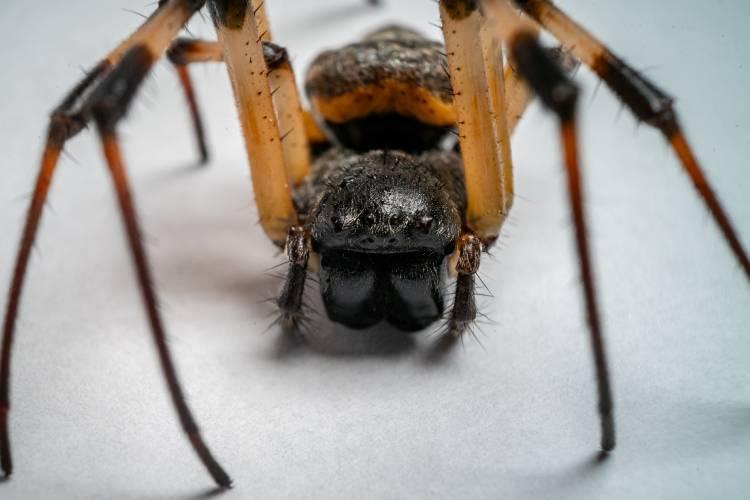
x=290 y=302
x=464 y=311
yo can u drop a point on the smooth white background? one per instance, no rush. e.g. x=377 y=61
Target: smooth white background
x=512 y=418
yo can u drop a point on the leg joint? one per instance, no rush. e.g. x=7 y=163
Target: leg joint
x=178 y=53
x=111 y=99
x=648 y=102
x=297 y=245
x=469 y=254
x=544 y=75
x=274 y=55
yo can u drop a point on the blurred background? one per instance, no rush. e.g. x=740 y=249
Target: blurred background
x=513 y=417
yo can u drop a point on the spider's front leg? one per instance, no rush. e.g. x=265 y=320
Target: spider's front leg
x=104 y=96
x=478 y=84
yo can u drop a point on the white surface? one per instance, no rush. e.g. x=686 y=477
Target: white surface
x=513 y=419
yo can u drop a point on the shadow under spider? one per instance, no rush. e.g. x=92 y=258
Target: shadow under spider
x=331 y=339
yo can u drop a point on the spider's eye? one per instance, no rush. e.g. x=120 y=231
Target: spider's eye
x=395 y=220
x=338 y=224
x=424 y=223
x=369 y=219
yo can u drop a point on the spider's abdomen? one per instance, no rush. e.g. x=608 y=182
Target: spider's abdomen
x=389 y=91
x=383 y=223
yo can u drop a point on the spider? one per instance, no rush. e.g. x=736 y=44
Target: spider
x=380 y=209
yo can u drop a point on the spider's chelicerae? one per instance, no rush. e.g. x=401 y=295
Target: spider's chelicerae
x=367 y=190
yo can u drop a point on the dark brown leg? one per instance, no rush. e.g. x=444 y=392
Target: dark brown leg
x=62 y=125
x=108 y=102
x=560 y=94
x=518 y=94
x=195 y=114
x=649 y=104
x=109 y=105
x=181 y=53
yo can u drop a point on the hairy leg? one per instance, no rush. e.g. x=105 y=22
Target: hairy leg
x=647 y=102
x=104 y=96
x=559 y=94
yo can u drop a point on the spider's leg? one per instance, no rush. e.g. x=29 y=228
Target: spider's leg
x=243 y=52
x=518 y=95
x=65 y=122
x=477 y=98
x=475 y=65
x=492 y=55
x=261 y=19
x=109 y=103
x=289 y=113
x=291 y=119
x=290 y=301
x=182 y=52
x=106 y=104
x=558 y=93
x=286 y=99
x=649 y=103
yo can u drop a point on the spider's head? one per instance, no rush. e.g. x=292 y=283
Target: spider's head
x=386 y=202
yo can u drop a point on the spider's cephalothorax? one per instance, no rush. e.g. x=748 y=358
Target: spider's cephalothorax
x=382 y=205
